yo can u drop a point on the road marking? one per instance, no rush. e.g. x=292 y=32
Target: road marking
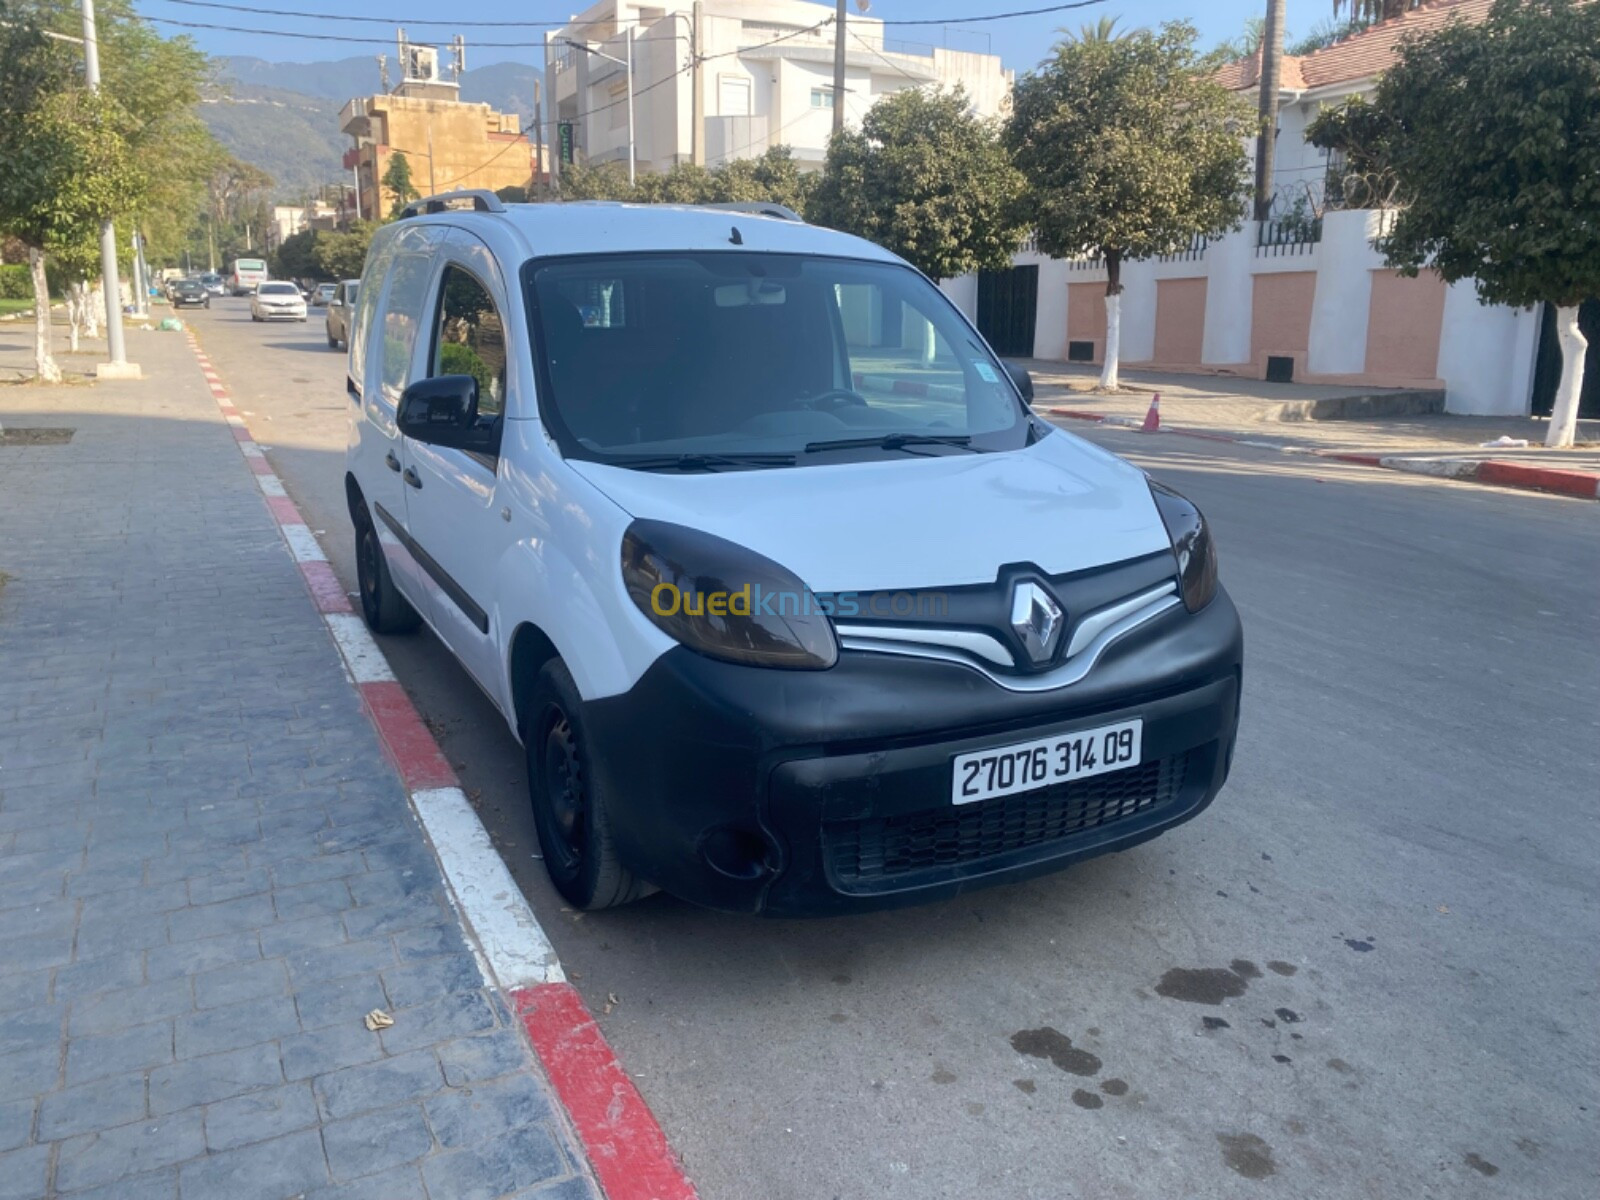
x=362 y=657
x=515 y=946
x=271 y=485
x=302 y=544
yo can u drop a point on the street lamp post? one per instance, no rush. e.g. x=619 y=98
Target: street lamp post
x=119 y=366
x=628 y=65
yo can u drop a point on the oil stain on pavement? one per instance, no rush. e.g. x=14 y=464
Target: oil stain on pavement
x=1247 y=1154
x=1057 y=1047
x=1205 y=985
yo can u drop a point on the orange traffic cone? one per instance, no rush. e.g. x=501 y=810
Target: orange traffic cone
x=1152 y=419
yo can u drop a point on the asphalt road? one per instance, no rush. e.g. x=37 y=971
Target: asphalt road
x=1394 y=900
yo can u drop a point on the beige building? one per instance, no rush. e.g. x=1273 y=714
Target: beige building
x=764 y=77
x=447 y=143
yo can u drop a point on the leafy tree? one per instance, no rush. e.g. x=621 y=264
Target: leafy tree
x=1327 y=33
x=1492 y=133
x=341 y=255
x=1130 y=149
x=68 y=166
x=397 y=181
x=1103 y=30
x=927 y=179
x=297 y=258
x=773 y=177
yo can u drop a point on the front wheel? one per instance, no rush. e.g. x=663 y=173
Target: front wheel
x=385 y=609
x=570 y=809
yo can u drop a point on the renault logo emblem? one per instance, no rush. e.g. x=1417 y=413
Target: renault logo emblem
x=1038 y=620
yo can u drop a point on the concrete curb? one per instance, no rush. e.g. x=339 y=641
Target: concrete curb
x=1496 y=472
x=627 y=1150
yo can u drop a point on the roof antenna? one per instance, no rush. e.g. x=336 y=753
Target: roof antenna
x=737 y=239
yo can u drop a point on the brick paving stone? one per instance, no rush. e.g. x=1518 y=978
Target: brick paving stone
x=208 y=871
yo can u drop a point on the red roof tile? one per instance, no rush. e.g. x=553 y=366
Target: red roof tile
x=1366 y=54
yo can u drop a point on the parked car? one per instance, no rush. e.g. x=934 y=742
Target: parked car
x=277 y=300
x=188 y=293
x=794 y=604
x=214 y=283
x=337 y=318
x=323 y=293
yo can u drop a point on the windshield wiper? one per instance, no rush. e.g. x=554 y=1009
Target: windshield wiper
x=697 y=462
x=892 y=441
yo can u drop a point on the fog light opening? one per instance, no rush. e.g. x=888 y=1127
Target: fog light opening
x=736 y=853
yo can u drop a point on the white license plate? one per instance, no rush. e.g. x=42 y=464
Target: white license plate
x=1006 y=770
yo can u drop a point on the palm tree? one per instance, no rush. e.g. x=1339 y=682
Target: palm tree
x=1271 y=77
x=1103 y=30
x=1376 y=10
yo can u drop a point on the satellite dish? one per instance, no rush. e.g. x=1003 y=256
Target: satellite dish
x=863 y=5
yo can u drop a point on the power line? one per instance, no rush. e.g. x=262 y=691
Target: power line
x=1005 y=16
x=325 y=16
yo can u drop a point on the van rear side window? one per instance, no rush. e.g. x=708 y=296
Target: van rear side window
x=402 y=315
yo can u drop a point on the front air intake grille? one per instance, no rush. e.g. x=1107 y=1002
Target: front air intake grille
x=883 y=848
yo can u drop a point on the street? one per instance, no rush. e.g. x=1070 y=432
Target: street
x=1367 y=970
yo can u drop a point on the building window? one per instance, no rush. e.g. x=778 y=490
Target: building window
x=733 y=96
x=822 y=97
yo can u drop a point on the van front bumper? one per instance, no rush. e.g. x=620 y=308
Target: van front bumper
x=803 y=793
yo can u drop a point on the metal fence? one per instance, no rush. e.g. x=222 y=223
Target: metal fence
x=1193 y=252
x=1293 y=235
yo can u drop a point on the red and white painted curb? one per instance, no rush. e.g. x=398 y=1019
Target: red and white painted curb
x=1501 y=473
x=626 y=1148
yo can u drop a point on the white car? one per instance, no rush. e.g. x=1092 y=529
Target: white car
x=277 y=301
x=793 y=603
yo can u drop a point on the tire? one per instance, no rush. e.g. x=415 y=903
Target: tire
x=382 y=605
x=570 y=809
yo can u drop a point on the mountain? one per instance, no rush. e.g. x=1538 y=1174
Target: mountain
x=284 y=117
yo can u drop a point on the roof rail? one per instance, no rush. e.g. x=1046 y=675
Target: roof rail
x=482 y=199
x=759 y=209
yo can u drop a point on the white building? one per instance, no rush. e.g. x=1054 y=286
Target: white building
x=761 y=76
x=1306 y=296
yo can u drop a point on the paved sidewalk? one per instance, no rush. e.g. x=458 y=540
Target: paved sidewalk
x=209 y=872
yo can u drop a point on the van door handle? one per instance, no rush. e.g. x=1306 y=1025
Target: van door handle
x=410 y=476
x=392 y=461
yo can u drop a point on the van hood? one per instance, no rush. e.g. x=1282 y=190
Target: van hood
x=1062 y=505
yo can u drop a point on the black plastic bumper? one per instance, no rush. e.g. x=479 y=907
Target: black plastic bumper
x=800 y=793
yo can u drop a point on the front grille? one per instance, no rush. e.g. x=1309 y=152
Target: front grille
x=886 y=847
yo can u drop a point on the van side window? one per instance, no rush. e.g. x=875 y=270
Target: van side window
x=408 y=289
x=471 y=340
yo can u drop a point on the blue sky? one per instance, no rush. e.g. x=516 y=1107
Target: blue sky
x=1021 y=42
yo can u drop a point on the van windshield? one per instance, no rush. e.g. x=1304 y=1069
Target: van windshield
x=726 y=360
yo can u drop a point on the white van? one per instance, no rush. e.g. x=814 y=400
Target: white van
x=793 y=603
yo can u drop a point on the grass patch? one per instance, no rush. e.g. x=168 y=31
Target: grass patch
x=15 y=306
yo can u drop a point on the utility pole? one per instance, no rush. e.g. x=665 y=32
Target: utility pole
x=538 y=136
x=838 y=69
x=119 y=367
x=697 y=139
x=1269 y=85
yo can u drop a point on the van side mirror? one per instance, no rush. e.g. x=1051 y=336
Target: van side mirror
x=1022 y=379
x=443 y=411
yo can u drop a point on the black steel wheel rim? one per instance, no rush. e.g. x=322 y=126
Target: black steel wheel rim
x=367 y=572
x=566 y=794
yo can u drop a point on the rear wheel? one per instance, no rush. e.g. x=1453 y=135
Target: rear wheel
x=570 y=809
x=385 y=609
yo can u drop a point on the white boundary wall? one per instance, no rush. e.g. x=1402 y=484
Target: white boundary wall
x=1486 y=353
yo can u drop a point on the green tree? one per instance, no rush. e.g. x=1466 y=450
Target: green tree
x=1373 y=11
x=397 y=181
x=297 y=257
x=1492 y=135
x=927 y=179
x=773 y=177
x=341 y=255
x=1130 y=149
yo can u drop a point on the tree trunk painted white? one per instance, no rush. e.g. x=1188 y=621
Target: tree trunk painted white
x=74 y=315
x=44 y=362
x=1108 y=373
x=1564 y=412
x=94 y=296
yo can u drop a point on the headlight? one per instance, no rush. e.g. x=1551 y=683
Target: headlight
x=1191 y=543
x=724 y=601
